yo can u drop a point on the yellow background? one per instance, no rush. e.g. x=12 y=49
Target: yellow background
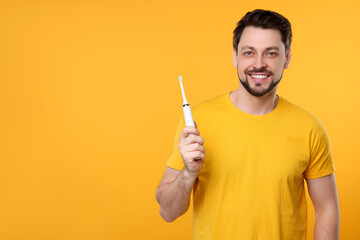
x=89 y=104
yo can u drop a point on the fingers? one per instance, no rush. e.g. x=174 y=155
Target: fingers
x=193 y=139
x=192 y=143
x=195 y=147
x=189 y=130
x=190 y=139
x=195 y=156
x=191 y=148
x=190 y=157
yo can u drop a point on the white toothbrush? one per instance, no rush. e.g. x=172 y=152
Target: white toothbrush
x=189 y=121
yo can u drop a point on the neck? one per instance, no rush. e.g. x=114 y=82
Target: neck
x=254 y=105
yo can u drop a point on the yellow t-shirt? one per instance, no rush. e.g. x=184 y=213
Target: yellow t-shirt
x=251 y=185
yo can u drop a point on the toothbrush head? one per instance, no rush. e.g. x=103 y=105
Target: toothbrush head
x=182 y=90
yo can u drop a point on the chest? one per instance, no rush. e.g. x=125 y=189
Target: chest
x=258 y=152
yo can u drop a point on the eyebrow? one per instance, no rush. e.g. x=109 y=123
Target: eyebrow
x=267 y=49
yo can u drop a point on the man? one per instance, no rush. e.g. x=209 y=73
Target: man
x=259 y=149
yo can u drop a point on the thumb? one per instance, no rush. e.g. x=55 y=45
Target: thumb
x=195 y=124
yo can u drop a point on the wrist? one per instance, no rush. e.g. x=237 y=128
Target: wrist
x=189 y=176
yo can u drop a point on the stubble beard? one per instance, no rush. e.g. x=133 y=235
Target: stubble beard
x=258 y=92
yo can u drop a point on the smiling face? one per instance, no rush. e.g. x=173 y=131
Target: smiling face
x=260 y=60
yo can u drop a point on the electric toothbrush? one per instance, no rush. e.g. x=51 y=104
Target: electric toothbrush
x=189 y=121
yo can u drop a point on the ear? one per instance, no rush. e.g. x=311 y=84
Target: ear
x=288 y=57
x=234 y=58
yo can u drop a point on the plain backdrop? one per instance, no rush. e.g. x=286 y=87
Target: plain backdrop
x=90 y=101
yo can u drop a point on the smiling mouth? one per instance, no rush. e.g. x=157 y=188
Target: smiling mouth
x=259 y=76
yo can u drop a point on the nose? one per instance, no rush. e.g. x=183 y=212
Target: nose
x=259 y=62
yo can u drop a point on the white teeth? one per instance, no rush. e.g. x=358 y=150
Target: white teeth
x=259 y=76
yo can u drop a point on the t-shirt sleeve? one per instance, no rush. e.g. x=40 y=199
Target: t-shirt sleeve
x=175 y=160
x=321 y=162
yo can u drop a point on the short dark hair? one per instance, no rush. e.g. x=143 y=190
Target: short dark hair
x=267 y=20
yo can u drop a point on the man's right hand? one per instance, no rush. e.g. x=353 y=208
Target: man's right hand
x=191 y=148
x=174 y=191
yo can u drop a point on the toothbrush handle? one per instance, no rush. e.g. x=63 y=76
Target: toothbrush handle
x=189 y=121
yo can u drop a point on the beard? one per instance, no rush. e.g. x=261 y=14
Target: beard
x=258 y=92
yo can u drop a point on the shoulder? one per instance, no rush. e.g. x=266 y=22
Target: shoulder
x=212 y=103
x=300 y=115
x=211 y=112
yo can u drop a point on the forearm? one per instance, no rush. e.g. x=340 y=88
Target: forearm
x=327 y=226
x=174 y=197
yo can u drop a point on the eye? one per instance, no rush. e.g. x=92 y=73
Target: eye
x=247 y=53
x=272 y=53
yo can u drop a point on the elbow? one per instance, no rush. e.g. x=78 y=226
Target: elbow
x=157 y=196
x=163 y=213
x=166 y=216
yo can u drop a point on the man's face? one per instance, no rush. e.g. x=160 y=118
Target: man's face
x=260 y=60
